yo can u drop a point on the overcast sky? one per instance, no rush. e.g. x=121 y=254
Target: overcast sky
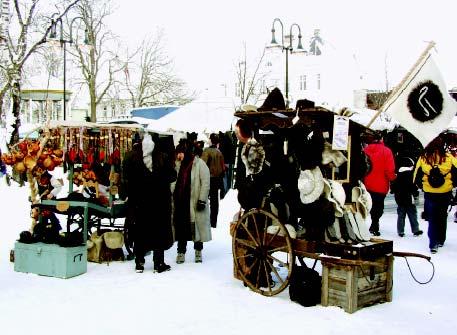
x=205 y=37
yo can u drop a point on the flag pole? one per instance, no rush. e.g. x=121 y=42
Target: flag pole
x=424 y=54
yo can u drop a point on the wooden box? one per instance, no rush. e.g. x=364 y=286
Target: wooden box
x=50 y=259
x=354 y=284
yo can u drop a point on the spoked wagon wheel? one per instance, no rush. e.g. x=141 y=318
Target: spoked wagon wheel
x=263 y=260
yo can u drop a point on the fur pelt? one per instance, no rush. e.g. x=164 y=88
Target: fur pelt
x=253 y=156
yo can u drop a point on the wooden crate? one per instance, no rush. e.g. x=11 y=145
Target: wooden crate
x=354 y=284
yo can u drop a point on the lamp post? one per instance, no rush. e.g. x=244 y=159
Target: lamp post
x=63 y=43
x=286 y=48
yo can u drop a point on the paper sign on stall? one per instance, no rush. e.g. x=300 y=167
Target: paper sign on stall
x=340 y=133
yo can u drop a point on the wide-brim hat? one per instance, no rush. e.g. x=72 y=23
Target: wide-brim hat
x=332 y=156
x=334 y=192
x=248 y=108
x=362 y=199
x=310 y=185
x=113 y=239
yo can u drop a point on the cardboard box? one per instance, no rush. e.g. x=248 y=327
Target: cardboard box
x=50 y=259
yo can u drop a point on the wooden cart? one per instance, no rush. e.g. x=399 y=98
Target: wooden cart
x=264 y=259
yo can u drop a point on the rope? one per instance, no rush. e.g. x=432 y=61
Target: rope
x=415 y=279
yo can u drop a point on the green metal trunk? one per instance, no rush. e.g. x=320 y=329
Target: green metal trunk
x=50 y=259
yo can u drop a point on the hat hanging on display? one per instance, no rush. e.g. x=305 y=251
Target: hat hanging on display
x=253 y=156
x=334 y=192
x=310 y=185
x=335 y=157
x=362 y=199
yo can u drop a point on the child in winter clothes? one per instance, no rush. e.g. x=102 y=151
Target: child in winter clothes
x=404 y=191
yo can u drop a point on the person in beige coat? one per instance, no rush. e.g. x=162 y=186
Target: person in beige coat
x=190 y=194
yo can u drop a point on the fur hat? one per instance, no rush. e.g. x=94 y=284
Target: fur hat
x=310 y=185
x=332 y=156
x=362 y=199
x=253 y=156
x=113 y=239
x=334 y=192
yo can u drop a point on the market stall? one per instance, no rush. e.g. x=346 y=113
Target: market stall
x=311 y=204
x=91 y=157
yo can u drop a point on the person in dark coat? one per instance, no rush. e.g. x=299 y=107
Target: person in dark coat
x=406 y=193
x=148 y=173
x=215 y=160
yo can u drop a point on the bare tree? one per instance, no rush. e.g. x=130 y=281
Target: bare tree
x=250 y=84
x=149 y=78
x=21 y=41
x=100 y=65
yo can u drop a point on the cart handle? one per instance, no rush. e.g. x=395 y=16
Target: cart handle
x=411 y=254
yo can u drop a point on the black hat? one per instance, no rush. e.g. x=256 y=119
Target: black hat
x=26 y=237
x=303 y=104
x=274 y=100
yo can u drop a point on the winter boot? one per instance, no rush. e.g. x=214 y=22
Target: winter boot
x=161 y=267
x=198 y=256
x=180 y=258
x=139 y=267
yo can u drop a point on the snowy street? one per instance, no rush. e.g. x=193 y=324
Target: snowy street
x=205 y=298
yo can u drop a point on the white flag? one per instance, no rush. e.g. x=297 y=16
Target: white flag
x=421 y=103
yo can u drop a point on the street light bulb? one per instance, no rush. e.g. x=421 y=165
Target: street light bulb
x=273 y=38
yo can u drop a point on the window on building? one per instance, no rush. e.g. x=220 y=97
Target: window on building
x=318 y=81
x=303 y=83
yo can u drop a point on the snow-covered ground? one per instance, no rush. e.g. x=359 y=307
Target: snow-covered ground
x=205 y=298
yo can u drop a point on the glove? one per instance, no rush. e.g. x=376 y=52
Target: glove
x=201 y=205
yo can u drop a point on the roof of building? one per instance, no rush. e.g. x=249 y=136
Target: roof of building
x=154 y=112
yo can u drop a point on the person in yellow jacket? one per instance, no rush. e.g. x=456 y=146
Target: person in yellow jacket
x=437 y=193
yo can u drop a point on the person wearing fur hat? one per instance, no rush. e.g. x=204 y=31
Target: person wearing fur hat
x=191 y=214
x=147 y=174
x=406 y=193
x=377 y=181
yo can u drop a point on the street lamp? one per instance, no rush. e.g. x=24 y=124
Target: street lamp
x=63 y=43
x=287 y=48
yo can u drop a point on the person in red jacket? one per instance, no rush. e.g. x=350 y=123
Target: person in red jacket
x=377 y=181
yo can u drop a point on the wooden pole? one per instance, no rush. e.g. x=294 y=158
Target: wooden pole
x=394 y=92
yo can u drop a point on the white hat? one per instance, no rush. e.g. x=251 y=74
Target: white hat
x=275 y=229
x=310 y=185
x=334 y=192
x=332 y=156
x=362 y=199
x=248 y=108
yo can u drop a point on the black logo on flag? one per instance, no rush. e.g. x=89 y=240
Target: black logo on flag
x=425 y=102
